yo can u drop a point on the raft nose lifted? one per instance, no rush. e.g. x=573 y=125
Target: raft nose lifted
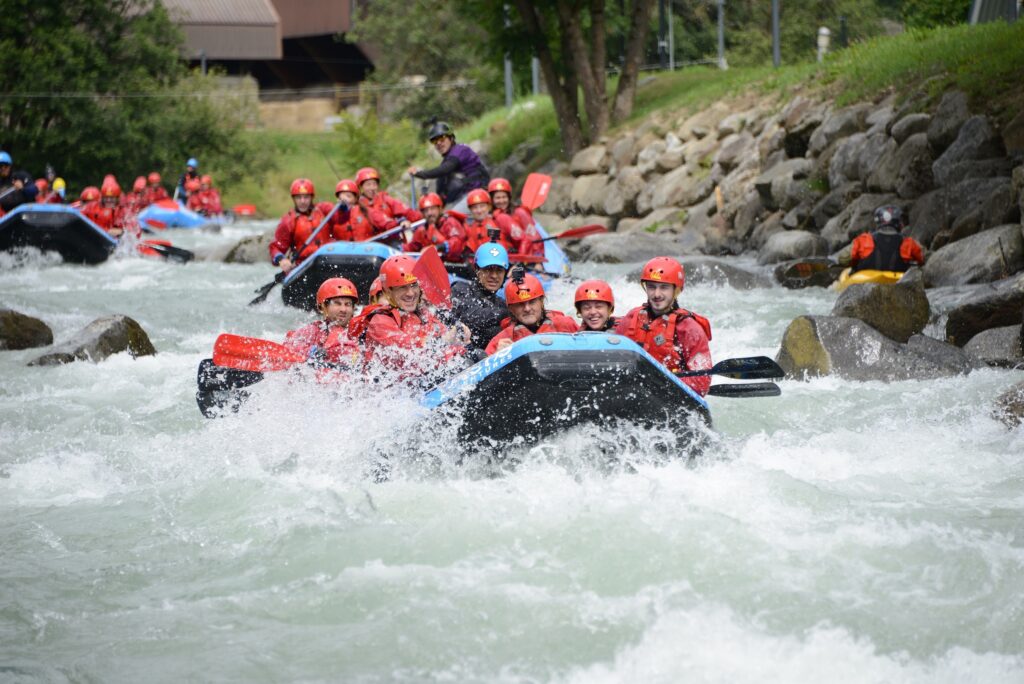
x=56 y=228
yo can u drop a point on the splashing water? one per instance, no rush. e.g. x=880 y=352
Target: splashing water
x=850 y=532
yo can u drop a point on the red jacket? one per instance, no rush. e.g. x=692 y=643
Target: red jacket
x=155 y=194
x=476 y=234
x=293 y=231
x=133 y=202
x=408 y=341
x=385 y=212
x=448 y=235
x=107 y=218
x=351 y=225
x=678 y=340
x=50 y=197
x=205 y=202
x=553 y=321
x=337 y=346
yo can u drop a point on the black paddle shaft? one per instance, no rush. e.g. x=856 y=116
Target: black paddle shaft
x=746 y=368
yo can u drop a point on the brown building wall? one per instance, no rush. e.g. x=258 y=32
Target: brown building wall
x=301 y=18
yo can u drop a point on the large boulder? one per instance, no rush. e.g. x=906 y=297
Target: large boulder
x=615 y=248
x=560 y=195
x=877 y=147
x=762 y=231
x=622 y=151
x=983 y=258
x=800 y=118
x=838 y=125
x=977 y=141
x=772 y=184
x=703 y=123
x=995 y=209
x=937 y=210
x=588 y=192
x=647 y=158
x=909 y=125
x=998 y=346
x=833 y=203
x=792 y=244
x=254 y=249
x=593 y=159
x=736 y=150
x=1009 y=407
x=679 y=188
x=857 y=217
x=98 y=340
x=993 y=306
x=845 y=163
x=914 y=167
x=620 y=198
x=897 y=311
x=853 y=350
x=950 y=115
x=702 y=270
x=18 y=331
x=803 y=273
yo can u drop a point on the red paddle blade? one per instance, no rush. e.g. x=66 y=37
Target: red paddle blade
x=535 y=191
x=433 y=278
x=167 y=204
x=527 y=258
x=253 y=354
x=155 y=223
x=244 y=209
x=591 y=229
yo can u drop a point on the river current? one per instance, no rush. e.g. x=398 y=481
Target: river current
x=843 y=532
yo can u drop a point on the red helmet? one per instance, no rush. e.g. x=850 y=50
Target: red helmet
x=499 y=185
x=396 y=271
x=594 y=291
x=139 y=185
x=517 y=293
x=302 y=186
x=42 y=184
x=192 y=185
x=431 y=199
x=153 y=178
x=478 y=196
x=336 y=287
x=110 y=188
x=346 y=185
x=366 y=173
x=206 y=179
x=376 y=287
x=663 y=270
x=90 y=194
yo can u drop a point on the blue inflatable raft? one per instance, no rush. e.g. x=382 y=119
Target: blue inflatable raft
x=546 y=383
x=173 y=214
x=56 y=228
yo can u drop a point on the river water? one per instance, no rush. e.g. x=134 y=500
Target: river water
x=843 y=532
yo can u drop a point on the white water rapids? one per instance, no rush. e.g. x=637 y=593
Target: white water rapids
x=843 y=532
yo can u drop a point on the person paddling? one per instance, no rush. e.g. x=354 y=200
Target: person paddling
x=109 y=214
x=351 y=225
x=885 y=249
x=191 y=173
x=524 y=296
x=206 y=200
x=443 y=231
x=460 y=169
x=594 y=305
x=296 y=226
x=675 y=337
x=154 y=190
x=327 y=339
x=383 y=211
x=523 y=231
x=476 y=303
x=403 y=334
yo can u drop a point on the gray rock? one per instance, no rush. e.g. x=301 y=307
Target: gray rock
x=977 y=140
x=853 y=350
x=803 y=273
x=937 y=210
x=857 y=217
x=909 y=125
x=914 y=167
x=792 y=244
x=800 y=191
x=614 y=248
x=647 y=159
x=994 y=306
x=735 y=150
x=949 y=117
x=98 y=340
x=872 y=154
x=983 y=258
x=560 y=195
x=669 y=160
x=703 y=270
x=897 y=311
x=799 y=217
x=254 y=249
x=1018 y=189
x=732 y=124
x=593 y=159
x=997 y=346
x=800 y=118
x=662 y=220
x=747 y=215
x=845 y=163
x=840 y=124
x=701 y=124
x=1013 y=134
x=772 y=184
x=834 y=202
x=771 y=225
x=770 y=140
x=1009 y=407
x=621 y=195
x=700 y=154
x=18 y=331
x=880 y=119
x=588 y=192
x=675 y=188
x=980 y=168
x=995 y=209
x=622 y=151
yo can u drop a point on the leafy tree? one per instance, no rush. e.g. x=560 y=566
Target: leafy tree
x=436 y=39
x=97 y=86
x=930 y=13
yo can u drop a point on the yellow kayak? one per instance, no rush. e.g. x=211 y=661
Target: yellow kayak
x=846 y=279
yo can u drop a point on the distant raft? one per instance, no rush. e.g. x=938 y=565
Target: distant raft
x=56 y=228
x=168 y=213
x=547 y=383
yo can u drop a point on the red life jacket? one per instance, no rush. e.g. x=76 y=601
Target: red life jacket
x=356 y=229
x=554 y=322
x=658 y=336
x=303 y=226
x=357 y=326
x=476 y=232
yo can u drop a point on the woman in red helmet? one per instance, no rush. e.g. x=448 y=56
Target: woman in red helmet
x=383 y=211
x=296 y=227
x=351 y=224
x=594 y=305
x=403 y=333
x=521 y=230
x=675 y=337
x=524 y=297
x=328 y=338
x=154 y=190
x=443 y=231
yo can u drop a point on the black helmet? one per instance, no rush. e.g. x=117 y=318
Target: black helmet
x=889 y=215
x=440 y=129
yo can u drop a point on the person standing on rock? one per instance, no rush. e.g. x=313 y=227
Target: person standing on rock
x=884 y=248
x=675 y=337
x=460 y=169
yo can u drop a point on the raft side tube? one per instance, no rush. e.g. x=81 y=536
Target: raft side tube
x=56 y=228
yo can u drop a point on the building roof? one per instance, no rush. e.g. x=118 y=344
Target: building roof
x=228 y=29
x=223 y=12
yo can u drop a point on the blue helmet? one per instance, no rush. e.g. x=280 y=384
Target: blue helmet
x=491 y=254
x=5 y=158
x=192 y=162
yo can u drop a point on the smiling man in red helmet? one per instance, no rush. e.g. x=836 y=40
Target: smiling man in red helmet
x=297 y=226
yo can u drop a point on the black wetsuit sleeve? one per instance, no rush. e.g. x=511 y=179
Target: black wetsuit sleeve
x=448 y=166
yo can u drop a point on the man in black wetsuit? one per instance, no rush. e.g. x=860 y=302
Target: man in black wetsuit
x=16 y=187
x=477 y=303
